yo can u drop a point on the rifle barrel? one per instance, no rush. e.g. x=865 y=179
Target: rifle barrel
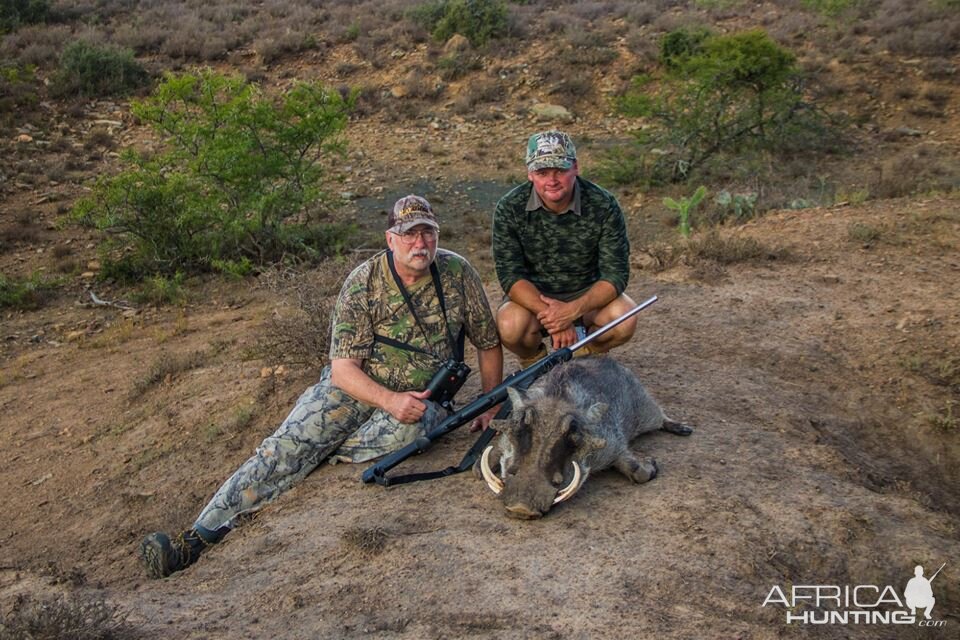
x=610 y=325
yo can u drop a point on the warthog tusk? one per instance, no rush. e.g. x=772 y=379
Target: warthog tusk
x=495 y=483
x=567 y=492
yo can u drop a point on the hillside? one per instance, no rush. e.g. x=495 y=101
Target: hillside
x=814 y=349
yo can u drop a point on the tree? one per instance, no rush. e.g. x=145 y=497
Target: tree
x=729 y=94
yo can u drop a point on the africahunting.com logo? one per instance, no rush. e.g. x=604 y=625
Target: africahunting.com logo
x=859 y=604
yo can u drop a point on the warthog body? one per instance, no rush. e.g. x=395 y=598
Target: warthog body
x=579 y=418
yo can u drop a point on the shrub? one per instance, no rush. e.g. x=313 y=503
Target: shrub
x=91 y=70
x=723 y=94
x=26 y=294
x=233 y=186
x=477 y=20
x=678 y=46
x=65 y=618
x=18 y=91
x=732 y=249
x=14 y=13
x=300 y=333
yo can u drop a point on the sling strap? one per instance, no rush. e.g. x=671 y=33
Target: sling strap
x=456 y=346
x=471 y=456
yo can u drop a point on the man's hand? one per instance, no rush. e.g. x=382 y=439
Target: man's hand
x=482 y=421
x=565 y=338
x=558 y=315
x=406 y=406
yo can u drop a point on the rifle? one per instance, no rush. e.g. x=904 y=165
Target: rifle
x=518 y=379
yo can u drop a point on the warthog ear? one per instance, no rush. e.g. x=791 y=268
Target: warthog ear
x=591 y=443
x=584 y=442
x=596 y=411
x=517 y=398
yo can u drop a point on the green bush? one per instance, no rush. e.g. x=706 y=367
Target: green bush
x=234 y=187
x=678 y=46
x=89 y=70
x=14 y=13
x=26 y=294
x=728 y=94
x=477 y=20
x=18 y=91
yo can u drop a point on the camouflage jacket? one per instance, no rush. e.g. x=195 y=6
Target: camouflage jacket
x=563 y=255
x=370 y=303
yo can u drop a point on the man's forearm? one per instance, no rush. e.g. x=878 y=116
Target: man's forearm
x=491 y=367
x=347 y=375
x=525 y=294
x=599 y=295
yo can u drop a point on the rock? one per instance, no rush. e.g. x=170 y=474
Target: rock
x=907 y=131
x=93 y=265
x=543 y=111
x=456 y=44
x=398 y=91
x=88 y=275
x=73 y=336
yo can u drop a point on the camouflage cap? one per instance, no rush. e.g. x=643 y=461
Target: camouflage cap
x=410 y=211
x=550 y=150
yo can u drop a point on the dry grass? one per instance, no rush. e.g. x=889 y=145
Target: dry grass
x=65 y=618
x=299 y=332
x=365 y=541
x=168 y=366
x=709 y=251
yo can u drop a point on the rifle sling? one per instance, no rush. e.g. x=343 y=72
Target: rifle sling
x=471 y=456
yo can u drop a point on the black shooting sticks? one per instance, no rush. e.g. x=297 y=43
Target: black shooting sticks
x=519 y=379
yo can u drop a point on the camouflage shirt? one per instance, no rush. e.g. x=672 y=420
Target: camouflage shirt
x=370 y=303
x=564 y=254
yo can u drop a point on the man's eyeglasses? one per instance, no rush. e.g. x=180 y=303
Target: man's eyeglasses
x=410 y=237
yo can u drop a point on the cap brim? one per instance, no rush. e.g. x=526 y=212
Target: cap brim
x=550 y=163
x=406 y=225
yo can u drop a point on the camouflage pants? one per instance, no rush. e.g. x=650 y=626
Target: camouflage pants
x=325 y=423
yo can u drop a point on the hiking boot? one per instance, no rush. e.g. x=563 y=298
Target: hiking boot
x=538 y=356
x=162 y=556
x=587 y=350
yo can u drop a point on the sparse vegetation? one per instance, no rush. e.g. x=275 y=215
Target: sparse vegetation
x=729 y=94
x=302 y=335
x=64 y=618
x=91 y=70
x=18 y=91
x=736 y=206
x=863 y=233
x=238 y=168
x=684 y=207
x=477 y=20
x=731 y=249
x=14 y=13
x=165 y=368
x=365 y=541
x=944 y=420
x=26 y=294
x=162 y=290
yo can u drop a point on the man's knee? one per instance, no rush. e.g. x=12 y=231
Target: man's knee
x=515 y=323
x=615 y=309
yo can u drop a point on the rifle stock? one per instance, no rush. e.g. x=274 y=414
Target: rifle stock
x=519 y=379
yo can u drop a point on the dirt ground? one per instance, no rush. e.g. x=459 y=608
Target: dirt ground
x=822 y=384
x=816 y=460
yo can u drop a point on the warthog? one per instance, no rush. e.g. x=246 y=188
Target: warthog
x=579 y=417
